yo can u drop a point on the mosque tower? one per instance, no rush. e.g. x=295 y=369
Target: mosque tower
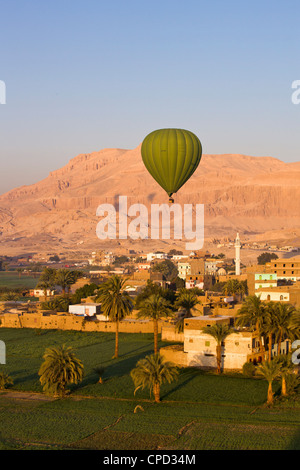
x=237 y=255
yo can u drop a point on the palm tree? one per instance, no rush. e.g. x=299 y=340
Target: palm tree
x=252 y=314
x=9 y=296
x=287 y=323
x=115 y=303
x=155 y=307
x=20 y=270
x=65 y=278
x=58 y=304
x=269 y=326
x=152 y=372
x=186 y=300
x=270 y=370
x=219 y=332
x=44 y=285
x=286 y=369
x=46 y=281
x=60 y=368
x=233 y=286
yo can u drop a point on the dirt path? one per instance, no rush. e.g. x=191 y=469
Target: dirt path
x=25 y=396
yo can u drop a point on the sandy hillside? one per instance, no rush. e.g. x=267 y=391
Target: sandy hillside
x=256 y=196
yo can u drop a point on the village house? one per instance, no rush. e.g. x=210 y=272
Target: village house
x=277 y=281
x=144 y=266
x=285 y=268
x=289 y=294
x=85 y=309
x=41 y=293
x=158 y=255
x=184 y=268
x=199 y=349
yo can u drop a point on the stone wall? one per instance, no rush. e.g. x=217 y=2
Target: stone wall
x=168 y=333
x=175 y=354
x=63 y=321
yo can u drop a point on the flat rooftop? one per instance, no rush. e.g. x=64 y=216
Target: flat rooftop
x=210 y=317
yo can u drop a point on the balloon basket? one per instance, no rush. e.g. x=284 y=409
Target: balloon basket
x=171 y=200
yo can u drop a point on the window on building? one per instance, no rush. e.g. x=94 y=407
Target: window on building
x=281 y=297
x=207 y=343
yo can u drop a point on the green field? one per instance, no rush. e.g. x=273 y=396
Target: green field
x=199 y=411
x=12 y=280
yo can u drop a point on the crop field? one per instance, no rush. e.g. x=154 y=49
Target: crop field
x=201 y=411
x=12 y=280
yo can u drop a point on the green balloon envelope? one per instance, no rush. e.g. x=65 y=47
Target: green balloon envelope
x=171 y=156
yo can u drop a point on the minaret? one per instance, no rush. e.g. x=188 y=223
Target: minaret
x=237 y=255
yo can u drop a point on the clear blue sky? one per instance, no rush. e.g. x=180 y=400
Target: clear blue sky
x=86 y=75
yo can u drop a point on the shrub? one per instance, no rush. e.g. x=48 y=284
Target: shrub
x=99 y=370
x=292 y=383
x=249 y=369
x=5 y=380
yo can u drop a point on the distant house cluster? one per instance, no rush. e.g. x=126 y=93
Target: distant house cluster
x=277 y=281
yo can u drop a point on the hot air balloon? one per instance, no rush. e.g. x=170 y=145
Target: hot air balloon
x=171 y=156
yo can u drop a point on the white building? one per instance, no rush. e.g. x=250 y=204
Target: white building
x=201 y=348
x=273 y=295
x=101 y=258
x=194 y=281
x=178 y=257
x=144 y=266
x=152 y=256
x=183 y=269
x=88 y=310
x=212 y=265
x=41 y=292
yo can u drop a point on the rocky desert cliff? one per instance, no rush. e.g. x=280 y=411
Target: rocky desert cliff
x=251 y=195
